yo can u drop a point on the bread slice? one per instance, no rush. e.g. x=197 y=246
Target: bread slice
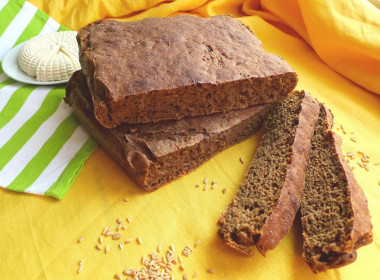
x=265 y=206
x=154 y=154
x=169 y=68
x=335 y=215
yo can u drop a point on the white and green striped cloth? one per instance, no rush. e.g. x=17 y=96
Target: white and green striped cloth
x=42 y=145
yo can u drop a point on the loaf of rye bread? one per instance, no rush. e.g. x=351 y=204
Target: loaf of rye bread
x=335 y=215
x=154 y=154
x=265 y=206
x=169 y=68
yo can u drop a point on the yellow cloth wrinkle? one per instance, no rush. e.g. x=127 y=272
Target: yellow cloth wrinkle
x=253 y=8
x=290 y=13
x=334 y=29
x=221 y=7
x=334 y=47
x=165 y=9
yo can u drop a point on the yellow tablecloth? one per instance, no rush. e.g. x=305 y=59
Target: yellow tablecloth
x=39 y=235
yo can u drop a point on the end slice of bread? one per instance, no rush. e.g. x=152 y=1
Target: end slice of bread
x=335 y=215
x=269 y=197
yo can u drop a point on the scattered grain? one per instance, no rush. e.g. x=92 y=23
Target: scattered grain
x=119 y=221
x=185 y=276
x=121 y=246
x=125 y=199
x=80 y=269
x=171 y=247
x=81 y=239
x=341 y=126
x=128 y=272
x=378 y=182
x=241 y=160
x=100 y=240
x=105 y=230
x=195 y=275
x=128 y=220
x=139 y=241
x=108 y=233
x=107 y=249
x=80 y=263
x=364 y=159
x=353 y=132
x=197 y=243
x=360 y=164
x=377 y=163
x=158 y=248
x=129 y=240
x=214 y=182
x=98 y=247
x=180 y=259
x=116 y=236
x=353 y=139
x=210 y=270
x=197 y=185
x=118 y=276
x=366 y=167
x=213 y=187
x=205 y=187
x=205 y=181
x=181 y=267
x=224 y=190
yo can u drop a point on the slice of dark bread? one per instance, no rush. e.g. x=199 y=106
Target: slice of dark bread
x=335 y=215
x=155 y=154
x=169 y=68
x=269 y=197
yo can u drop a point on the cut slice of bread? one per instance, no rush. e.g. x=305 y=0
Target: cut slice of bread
x=269 y=197
x=155 y=154
x=335 y=215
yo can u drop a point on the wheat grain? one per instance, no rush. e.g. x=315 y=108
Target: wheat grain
x=81 y=239
x=210 y=270
x=197 y=243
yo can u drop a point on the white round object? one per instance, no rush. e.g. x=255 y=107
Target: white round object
x=50 y=57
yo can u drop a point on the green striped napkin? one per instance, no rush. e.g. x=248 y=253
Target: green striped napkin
x=42 y=145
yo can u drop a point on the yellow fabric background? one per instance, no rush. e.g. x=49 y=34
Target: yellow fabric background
x=39 y=234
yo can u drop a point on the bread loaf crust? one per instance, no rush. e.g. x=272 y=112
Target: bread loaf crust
x=241 y=235
x=155 y=154
x=340 y=253
x=362 y=227
x=280 y=221
x=169 y=68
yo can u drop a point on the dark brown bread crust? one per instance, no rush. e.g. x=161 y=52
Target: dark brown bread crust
x=169 y=68
x=154 y=154
x=338 y=246
x=236 y=225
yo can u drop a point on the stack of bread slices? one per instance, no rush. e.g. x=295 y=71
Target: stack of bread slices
x=163 y=95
